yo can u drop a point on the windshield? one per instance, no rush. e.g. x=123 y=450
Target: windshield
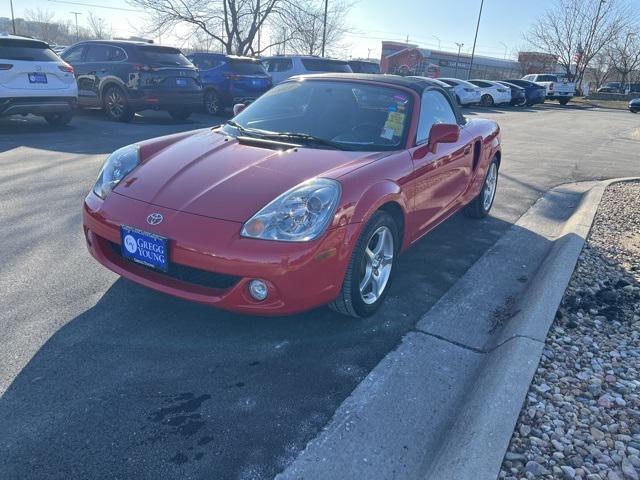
x=164 y=56
x=349 y=115
x=11 y=49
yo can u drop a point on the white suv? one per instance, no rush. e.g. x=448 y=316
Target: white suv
x=282 y=67
x=33 y=79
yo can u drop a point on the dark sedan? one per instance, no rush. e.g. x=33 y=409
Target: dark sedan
x=634 y=105
x=518 y=94
x=534 y=92
x=126 y=77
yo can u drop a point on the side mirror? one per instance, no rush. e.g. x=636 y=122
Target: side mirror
x=237 y=108
x=443 y=133
x=440 y=133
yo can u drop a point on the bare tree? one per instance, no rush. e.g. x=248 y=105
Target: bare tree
x=233 y=23
x=42 y=23
x=304 y=24
x=98 y=27
x=625 y=55
x=600 y=70
x=577 y=30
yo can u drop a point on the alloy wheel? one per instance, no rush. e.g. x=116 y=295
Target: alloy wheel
x=490 y=186
x=377 y=263
x=115 y=103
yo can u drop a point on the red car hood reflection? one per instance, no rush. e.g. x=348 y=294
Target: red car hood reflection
x=212 y=175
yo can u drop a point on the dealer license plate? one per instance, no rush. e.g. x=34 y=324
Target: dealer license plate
x=145 y=248
x=37 y=78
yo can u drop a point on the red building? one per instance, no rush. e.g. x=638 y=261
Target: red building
x=406 y=59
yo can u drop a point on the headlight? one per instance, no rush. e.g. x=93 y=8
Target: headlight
x=298 y=215
x=115 y=168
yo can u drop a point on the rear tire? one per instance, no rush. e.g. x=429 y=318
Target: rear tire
x=213 y=103
x=481 y=205
x=180 y=115
x=487 y=101
x=563 y=101
x=116 y=105
x=58 y=119
x=370 y=269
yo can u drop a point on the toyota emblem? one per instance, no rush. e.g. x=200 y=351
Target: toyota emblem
x=155 y=219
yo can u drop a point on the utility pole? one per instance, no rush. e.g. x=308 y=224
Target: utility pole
x=324 y=26
x=77 y=31
x=13 y=19
x=437 y=38
x=369 y=53
x=460 y=45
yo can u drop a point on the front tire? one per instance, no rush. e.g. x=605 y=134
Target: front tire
x=58 y=119
x=368 y=276
x=116 y=105
x=481 y=205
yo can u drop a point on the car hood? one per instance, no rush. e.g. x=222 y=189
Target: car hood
x=213 y=175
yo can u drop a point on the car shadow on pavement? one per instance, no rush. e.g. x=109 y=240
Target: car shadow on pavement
x=143 y=385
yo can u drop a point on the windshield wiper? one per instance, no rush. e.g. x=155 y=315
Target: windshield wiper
x=306 y=138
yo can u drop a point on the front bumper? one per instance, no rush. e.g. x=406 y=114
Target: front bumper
x=299 y=276
x=165 y=99
x=36 y=105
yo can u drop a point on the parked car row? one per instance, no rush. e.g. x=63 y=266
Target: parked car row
x=487 y=93
x=125 y=77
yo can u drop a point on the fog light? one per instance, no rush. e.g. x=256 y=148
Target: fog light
x=258 y=289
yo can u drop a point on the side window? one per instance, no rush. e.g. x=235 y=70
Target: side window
x=434 y=109
x=283 y=65
x=73 y=55
x=116 y=54
x=98 y=53
x=528 y=78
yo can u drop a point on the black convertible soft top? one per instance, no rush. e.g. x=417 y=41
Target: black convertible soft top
x=414 y=83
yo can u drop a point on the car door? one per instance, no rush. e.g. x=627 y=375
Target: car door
x=442 y=175
x=96 y=66
x=75 y=57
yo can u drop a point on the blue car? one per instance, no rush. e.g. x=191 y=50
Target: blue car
x=534 y=92
x=228 y=80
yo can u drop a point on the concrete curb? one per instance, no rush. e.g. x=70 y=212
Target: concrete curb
x=444 y=404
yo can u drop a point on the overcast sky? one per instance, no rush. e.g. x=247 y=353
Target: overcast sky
x=503 y=22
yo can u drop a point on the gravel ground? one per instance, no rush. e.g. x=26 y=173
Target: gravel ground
x=581 y=417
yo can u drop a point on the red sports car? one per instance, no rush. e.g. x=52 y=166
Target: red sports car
x=304 y=198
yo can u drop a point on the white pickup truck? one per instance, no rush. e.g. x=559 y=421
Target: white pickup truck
x=557 y=88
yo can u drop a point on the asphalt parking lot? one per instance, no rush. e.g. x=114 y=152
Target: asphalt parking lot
x=101 y=378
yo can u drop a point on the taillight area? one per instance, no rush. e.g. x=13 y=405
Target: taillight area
x=5 y=66
x=551 y=86
x=65 y=67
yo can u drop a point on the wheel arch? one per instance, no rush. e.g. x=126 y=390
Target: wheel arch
x=112 y=82
x=387 y=196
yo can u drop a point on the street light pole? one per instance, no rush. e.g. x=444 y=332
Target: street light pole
x=460 y=45
x=13 y=18
x=324 y=26
x=77 y=31
x=473 y=51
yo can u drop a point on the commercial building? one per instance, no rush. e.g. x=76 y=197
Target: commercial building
x=410 y=59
